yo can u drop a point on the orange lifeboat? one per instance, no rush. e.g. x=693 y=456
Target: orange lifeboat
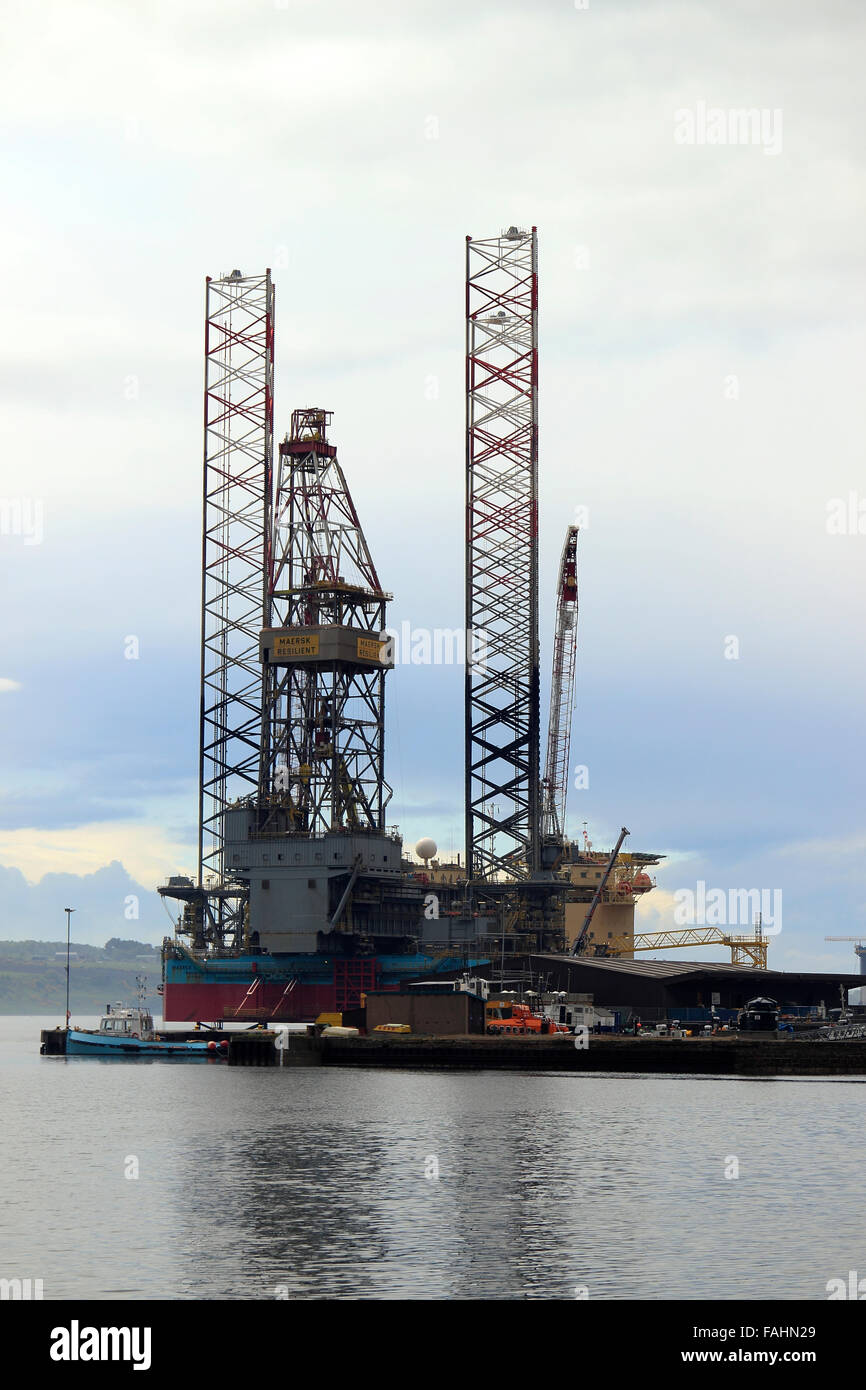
x=519 y=1018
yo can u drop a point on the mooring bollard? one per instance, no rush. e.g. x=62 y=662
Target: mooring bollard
x=252 y=1050
x=53 y=1042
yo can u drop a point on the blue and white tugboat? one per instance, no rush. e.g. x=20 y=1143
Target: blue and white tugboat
x=129 y=1032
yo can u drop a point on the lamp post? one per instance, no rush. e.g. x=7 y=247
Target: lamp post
x=69 y=911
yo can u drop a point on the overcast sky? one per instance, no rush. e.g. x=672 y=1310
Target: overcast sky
x=701 y=340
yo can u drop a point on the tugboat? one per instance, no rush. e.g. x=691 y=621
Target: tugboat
x=130 y=1032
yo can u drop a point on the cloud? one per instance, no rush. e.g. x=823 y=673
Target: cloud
x=846 y=847
x=7 y=684
x=108 y=902
x=149 y=853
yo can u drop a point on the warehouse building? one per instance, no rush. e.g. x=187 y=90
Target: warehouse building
x=667 y=986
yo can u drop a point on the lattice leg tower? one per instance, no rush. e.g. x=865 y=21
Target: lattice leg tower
x=502 y=684
x=238 y=479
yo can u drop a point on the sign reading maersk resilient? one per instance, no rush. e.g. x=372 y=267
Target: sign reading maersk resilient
x=369 y=649
x=295 y=644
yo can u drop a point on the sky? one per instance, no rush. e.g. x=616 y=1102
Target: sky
x=701 y=321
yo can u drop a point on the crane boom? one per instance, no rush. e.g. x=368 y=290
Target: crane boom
x=745 y=950
x=555 y=786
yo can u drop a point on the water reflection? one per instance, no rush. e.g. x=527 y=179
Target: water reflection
x=323 y=1182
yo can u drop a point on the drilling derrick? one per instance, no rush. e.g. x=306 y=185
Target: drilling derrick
x=555 y=784
x=312 y=879
x=324 y=648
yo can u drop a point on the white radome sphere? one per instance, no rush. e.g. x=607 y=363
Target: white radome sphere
x=425 y=849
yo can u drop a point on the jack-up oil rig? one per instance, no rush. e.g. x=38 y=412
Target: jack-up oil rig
x=303 y=898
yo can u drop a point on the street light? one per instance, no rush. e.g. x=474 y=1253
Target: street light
x=69 y=911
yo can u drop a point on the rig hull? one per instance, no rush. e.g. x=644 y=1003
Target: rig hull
x=288 y=988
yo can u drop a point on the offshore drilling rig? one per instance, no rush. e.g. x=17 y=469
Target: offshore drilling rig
x=303 y=898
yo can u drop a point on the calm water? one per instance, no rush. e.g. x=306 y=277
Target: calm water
x=314 y=1180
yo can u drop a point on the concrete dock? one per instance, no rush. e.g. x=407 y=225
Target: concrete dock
x=733 y=1055
x=730 y=1055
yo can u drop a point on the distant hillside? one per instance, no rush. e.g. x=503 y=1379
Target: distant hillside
x=33 y=976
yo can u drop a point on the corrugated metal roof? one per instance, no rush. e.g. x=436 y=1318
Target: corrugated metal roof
x=657 y=969
x=667 y=969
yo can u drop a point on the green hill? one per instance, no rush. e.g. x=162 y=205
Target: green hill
x=33 y=976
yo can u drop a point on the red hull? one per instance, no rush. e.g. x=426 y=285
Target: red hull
x=258 y=998
x=222 y=1002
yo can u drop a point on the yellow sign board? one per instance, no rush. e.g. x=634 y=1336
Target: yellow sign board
x=295 y=644
x=369 y=649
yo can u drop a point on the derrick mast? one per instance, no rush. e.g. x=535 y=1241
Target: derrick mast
x=555 y=784
x=323 y=646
